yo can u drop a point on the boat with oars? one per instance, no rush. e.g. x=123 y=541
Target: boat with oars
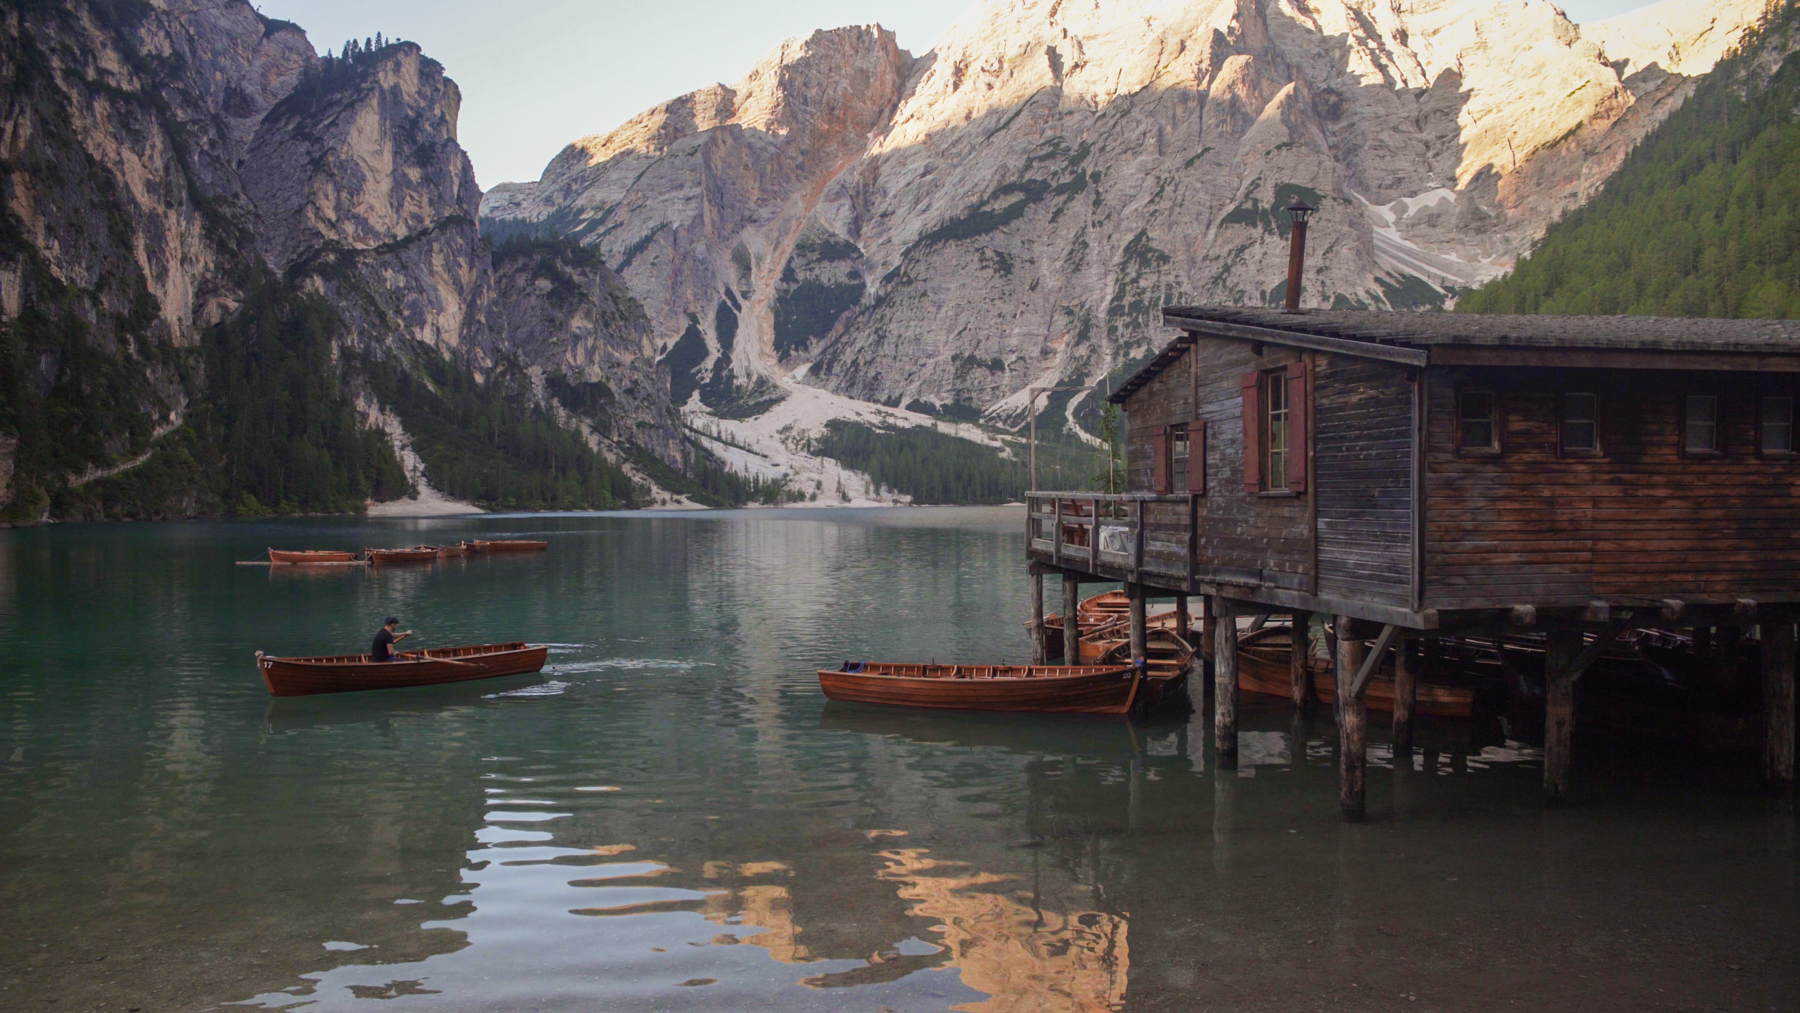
x=349 y=673
x=311 y=556
x=1049 y=689
x=508 y=545
x=416 y=554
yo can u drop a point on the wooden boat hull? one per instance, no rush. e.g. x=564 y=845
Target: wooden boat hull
x=379 y=557
x=310 y=556
x=1263 y=668
x=451 y=551
x=1047 y=689
x=350 y=673
x=513 y=545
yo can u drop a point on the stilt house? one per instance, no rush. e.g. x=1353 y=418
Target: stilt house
x=1418 y=474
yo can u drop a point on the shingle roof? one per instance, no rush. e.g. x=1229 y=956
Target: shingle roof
x=1666 y=334
x=1400 y=335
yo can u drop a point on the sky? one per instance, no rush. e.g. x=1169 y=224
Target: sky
x=537 y=74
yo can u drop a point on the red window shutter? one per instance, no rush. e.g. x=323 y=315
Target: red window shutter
x=1298 y=431
x=1159 y=447
x=1197 y=457
x=1252 y=435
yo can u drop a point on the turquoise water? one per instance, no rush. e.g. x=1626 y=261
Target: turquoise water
x=672 y=817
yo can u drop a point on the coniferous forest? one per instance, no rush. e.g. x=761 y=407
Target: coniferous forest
x=1702 y=219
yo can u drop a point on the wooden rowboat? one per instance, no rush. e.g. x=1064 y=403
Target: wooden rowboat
x=416 y=554
x=1066 y=689
x=508 y=545
x=346 y=673
x=451 y=551
x=310 y=556
x=1264 y=656
x=1167 y=658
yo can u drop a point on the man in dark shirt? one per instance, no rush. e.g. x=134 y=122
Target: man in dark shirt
x=385 y=640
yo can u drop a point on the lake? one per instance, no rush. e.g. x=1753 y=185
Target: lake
x=673 y=818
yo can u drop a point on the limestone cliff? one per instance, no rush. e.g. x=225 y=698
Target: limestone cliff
x=182 y=183
x=1015 y=206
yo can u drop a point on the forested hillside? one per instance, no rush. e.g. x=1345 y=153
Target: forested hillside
x=1702 y=220
x=208 y=306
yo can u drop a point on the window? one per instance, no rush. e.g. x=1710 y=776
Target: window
x=1477 y=422
x=1275 y=451
x=1275 y=431
x=1178 y=457
x=1579 y=431
x=1777 y=425
x=1700 y=425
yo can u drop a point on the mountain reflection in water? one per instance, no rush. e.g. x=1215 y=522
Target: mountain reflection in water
x=672 y=818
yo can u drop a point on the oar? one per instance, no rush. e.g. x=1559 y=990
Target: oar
x=446 y=661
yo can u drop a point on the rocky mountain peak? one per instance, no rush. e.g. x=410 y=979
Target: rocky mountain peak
x=1055 y=170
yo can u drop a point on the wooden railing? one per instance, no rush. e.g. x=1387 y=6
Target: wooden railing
x=1131 y=532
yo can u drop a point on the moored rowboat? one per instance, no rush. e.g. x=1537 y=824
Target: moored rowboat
x=451 y=551
x=310 y=556
x=1264 y=656
x=346 y=673
x=1068 y=689
x=508 y=545
x=416 y=554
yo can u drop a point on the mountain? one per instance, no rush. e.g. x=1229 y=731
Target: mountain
x=1703 y=219
x=1014 y=207
x=236 y=276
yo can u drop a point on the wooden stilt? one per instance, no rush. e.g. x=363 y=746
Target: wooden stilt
x=1353 y=725
x=1778 y=705
x=1561 y=649
x=1225 y=682
x=1204 y=649
x=1406 y=663
x=1037 y=613
x=1071 y=624
x=1184 y=621
x=1300 y=664
x=1139 y=635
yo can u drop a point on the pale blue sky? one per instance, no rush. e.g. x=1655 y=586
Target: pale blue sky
x=536 y=74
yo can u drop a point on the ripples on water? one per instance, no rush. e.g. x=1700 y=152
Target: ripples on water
x=671 y=817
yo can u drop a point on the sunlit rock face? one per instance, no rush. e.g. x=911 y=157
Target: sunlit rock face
x=709 y=204
x=1014 y=206
x=362 y=190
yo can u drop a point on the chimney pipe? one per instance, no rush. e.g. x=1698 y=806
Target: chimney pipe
x=1299 y=211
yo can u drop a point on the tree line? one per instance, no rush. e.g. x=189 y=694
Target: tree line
x=1701 y=220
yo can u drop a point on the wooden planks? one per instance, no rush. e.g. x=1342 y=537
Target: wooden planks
x=1363 y=447
x=1532 y=527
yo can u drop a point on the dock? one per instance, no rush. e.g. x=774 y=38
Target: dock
x=1423 y=476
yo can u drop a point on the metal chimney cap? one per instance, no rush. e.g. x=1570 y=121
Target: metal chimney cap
x=1300 y=210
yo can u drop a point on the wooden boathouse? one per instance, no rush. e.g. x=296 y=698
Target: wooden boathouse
x=1422 y=475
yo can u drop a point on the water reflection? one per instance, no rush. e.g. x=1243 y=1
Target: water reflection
x=670 y=817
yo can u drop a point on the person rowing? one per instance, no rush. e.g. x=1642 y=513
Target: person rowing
x=382 y=649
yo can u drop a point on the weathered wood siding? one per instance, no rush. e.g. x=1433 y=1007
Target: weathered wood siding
x=1531 y=527
x=1363 y=467
x=1243 y=537
x=1167 y=400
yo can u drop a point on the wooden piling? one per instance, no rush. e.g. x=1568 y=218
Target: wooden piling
x=1184 y=620
x=1562 y=646
x=1406 y=663
x=1204 y=649
x=1037 y=612
x=1778 y=705
x=1225 y=681
x=1300 y=662
x=1070 y=623
x=1140 y=640
x=1352 y=723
